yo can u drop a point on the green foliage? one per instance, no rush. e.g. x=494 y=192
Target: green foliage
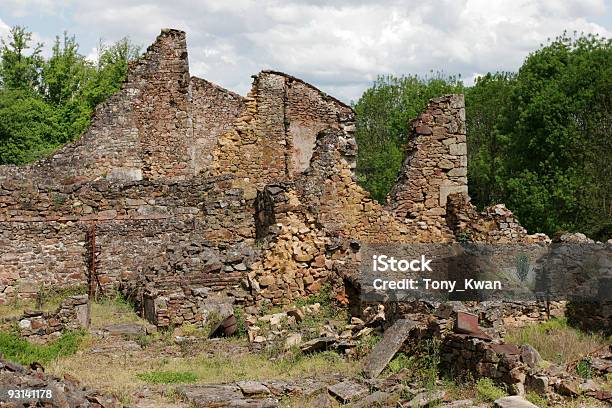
x=558 y=172
x=384 y=113
x=488 y=391
x=422 y=362
x=485 y=102
x=28 y=127
x=168 y=377
x=584 y=368
x=536 y=399
x=324 y=297
x=399 y=362
x=241 y=322
x=23 y=352
x=18 y=68
x=47 y=103
x=538 y=140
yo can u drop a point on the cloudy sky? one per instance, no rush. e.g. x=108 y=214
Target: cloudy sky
x=338 y=45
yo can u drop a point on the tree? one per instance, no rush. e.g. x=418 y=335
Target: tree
x=19 y=70
x=384 y=113
x=485 y=104
x=28 y=127
x=111 y=70
x=64 y=76
x=558 y=156
x=46 y=103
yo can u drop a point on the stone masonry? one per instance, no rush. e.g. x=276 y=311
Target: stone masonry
x=436 y=161
x=191 y=198
x=72 y=314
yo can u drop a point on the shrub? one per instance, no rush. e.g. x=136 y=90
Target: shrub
x=488 y=391
x=536 y=399
x=583 y=368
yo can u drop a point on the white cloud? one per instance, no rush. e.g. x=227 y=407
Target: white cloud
x=21 y=8
x=4 y=29
x=340 y=45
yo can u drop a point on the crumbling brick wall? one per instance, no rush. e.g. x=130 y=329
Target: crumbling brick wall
x=436 y=161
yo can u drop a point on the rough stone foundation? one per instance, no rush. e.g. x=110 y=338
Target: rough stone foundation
x=72 y=314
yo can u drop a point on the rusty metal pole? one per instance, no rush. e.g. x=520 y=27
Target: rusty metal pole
x=92 y=262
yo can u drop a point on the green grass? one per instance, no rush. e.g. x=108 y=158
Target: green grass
x=168 y=377
x=113 y=309
x=400 y=361
x=536 y=399
x=47 y=299
x=487 y=390
x=324 y=297
x=556 y=341
x=422 y=361
x=21 y=351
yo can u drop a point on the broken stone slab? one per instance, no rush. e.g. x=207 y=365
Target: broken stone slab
x=250 y=388
x=514 y=401
x=376 y=399
x=347 y=391
x=125 y=329
x=385 y=350
x=600 y=395
x=206 y=396
x=588 y=385
x=322 y=401
x=426 y=399
x=318 y=344
x=530 y=355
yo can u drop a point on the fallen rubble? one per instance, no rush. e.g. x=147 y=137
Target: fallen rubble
x=64 y=393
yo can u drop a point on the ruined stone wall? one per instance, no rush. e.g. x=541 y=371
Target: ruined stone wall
x=436 y=161
x=134 y=226
x=167 y=191
x=142 y=131
x=33 y=254
x=73 y=313
x=494 y=224
x=274 y=138
x=467 y=355
x=214 y=112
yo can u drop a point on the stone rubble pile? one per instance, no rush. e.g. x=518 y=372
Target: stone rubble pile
x=72 y=314
x=66 y=392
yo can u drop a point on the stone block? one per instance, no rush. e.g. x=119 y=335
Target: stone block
x=347 y=391
x=445 y=191
x=385 y=350
x=458 y=149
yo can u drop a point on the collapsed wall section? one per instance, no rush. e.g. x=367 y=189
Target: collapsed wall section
x=274 y=138
x=435 y=164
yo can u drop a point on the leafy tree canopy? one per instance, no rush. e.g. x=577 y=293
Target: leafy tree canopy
x=45 y=103
x=539 y=140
